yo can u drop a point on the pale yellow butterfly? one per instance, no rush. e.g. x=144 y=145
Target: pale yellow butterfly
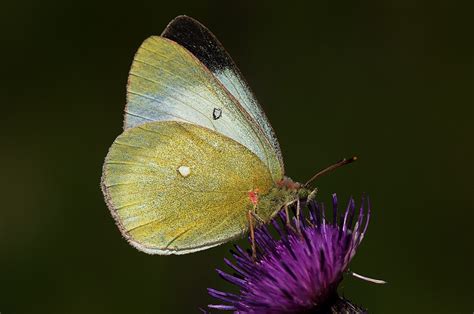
x=198 y=160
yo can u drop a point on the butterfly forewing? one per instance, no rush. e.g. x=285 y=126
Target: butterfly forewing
x=196 y=38
x=168 y=83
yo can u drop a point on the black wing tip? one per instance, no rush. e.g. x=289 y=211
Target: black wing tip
x=182 y=16
x=178 y=21
x=200 y=41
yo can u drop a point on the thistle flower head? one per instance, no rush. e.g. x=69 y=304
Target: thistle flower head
x=300 y=269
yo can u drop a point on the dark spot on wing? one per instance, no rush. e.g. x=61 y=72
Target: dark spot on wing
x=216 y=113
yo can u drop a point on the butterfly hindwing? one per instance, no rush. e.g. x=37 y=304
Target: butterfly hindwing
x=161 y=209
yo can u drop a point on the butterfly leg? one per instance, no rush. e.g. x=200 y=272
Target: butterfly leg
x=298 y=214
x=288 y=219
x=312 y=195
x=287 y=213
x=257 y=217
x=250 y=218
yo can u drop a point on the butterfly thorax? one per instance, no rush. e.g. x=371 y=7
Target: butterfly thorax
x=283 y=192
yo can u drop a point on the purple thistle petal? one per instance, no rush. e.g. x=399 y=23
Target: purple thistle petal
x=349 y=214
x=350 y=206
x=358 y=224
x=334 y=209
x=237 y=269
x=222 y=307
x=313 y=213
x=232 y=279
x=323 y=220
x=361 y=216
x=223 y=296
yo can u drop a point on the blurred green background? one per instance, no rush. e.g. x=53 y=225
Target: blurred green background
x=391 y=82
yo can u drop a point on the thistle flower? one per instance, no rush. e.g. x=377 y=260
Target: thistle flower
x=300 y=270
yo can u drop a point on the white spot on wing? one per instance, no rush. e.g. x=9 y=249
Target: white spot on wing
x=184 y=171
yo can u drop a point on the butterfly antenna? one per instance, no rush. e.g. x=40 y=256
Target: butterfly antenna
x=332 y=167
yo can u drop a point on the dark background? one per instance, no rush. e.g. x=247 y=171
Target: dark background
x=391 y=82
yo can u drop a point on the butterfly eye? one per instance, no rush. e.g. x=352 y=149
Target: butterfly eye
x=216 y=113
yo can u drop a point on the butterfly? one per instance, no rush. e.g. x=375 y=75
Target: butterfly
x=198 y=163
